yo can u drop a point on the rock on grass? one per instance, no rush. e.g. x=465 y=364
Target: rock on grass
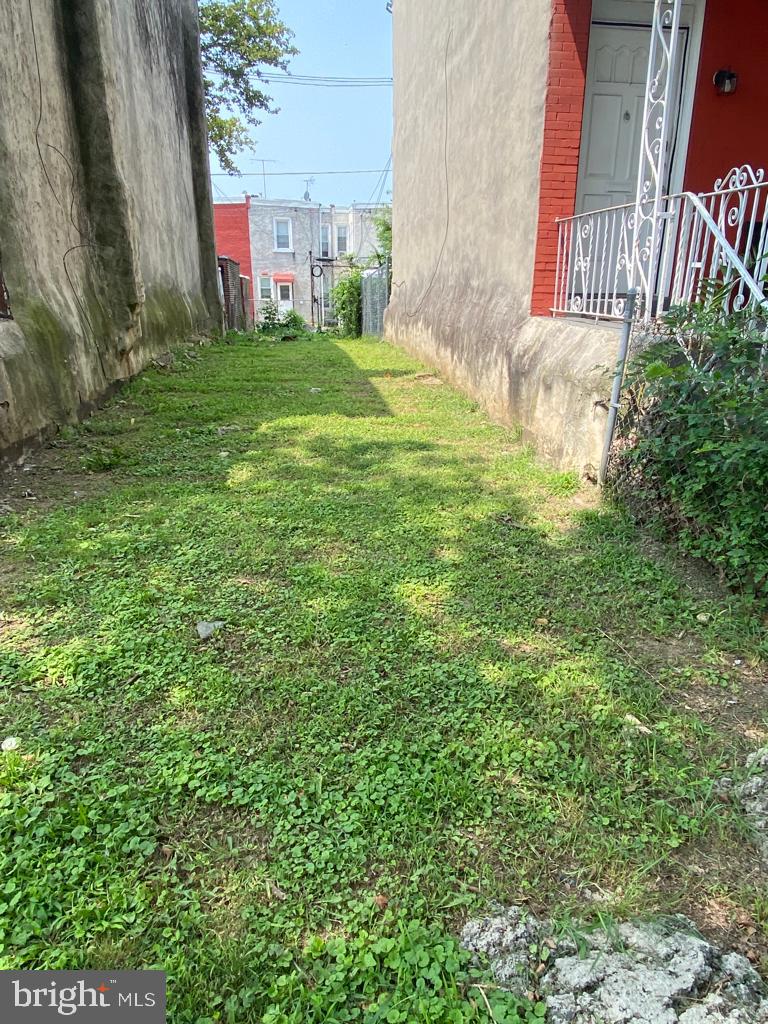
x=658 y=972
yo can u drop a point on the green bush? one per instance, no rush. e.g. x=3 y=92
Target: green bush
x=347 y=300
x=292 y=320
x=285 y=327
x=270 y=317
x=694 y=451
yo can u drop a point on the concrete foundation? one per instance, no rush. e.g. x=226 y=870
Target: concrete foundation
x=470 y=89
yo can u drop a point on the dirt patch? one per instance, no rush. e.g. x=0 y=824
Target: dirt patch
x=699 y=576
x=738 y=713
x=682 y=668
x=693 y=883
x=45 y=483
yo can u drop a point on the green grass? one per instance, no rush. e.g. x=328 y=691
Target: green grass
x=417 y=703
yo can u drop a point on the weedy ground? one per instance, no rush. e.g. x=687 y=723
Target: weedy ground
x=446 y=676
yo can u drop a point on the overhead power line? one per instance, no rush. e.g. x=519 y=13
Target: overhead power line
x=298 y=174
x=326 y=81
x=381 y=182
x=327 y=78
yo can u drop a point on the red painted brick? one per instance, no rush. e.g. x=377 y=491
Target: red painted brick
x=568 y=49
x=233 y=237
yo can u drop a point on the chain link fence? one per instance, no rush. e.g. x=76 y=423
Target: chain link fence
x=375 y=295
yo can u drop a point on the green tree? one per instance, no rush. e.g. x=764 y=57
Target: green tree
x=383 y=224
x=238 y=38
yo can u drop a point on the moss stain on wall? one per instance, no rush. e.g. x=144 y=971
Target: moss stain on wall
x=95 y=294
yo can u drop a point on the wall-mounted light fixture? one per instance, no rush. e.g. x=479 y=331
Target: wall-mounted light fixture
x=726 y=81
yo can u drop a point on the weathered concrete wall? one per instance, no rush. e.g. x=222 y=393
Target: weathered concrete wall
x=470 y=85
x=106 y=227
x=550 y=377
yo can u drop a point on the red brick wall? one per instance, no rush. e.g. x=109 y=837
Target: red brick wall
x=568 y=51
x=727 y=131
x=233 y=236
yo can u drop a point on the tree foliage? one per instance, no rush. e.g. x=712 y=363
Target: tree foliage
x=383 y=224
x=347 y=300
x=238 y=38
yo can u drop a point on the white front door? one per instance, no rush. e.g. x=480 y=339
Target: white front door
x=613 y=114
x=284 y=296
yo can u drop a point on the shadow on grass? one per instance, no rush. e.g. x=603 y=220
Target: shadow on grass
x=419 y=692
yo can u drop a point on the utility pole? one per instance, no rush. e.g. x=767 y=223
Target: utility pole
x=311 y=288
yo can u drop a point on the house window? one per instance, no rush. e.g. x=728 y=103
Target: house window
x=283 y=234
x=265 y=288
x=5 y=303
x=341 y=239
x=325 y=241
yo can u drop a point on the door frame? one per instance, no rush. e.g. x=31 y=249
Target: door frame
x=635 y=14
x=282 y=284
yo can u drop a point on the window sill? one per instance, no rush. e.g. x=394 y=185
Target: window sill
x=291 y=251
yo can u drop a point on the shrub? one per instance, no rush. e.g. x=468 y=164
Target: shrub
x=285 y=327
x=347 y=299
x=694 y=447
x=292 y=320
x=270 y=317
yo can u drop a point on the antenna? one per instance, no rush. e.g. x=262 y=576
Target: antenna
x=263 y=173
x=308 y=182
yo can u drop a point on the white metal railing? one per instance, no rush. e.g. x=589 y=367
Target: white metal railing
x=689 y=241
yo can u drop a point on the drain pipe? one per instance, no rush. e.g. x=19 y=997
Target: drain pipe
x=618 y=380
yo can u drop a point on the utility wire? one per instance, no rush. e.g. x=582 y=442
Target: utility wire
x=380 y=182
x=327 y=78
x=322 y=82
x=297 y=174
x=378 y=191
x=384 y=177
x=327 y=85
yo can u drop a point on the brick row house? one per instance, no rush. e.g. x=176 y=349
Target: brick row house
x=600 y=146
x=294 y=251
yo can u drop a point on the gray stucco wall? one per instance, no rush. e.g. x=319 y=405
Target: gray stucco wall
x=305 y=223
x=106 y=228
x=470 y=86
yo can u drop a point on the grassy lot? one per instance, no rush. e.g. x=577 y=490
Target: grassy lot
x=417 y=703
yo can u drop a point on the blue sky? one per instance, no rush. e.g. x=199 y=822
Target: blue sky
x=320 y=129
